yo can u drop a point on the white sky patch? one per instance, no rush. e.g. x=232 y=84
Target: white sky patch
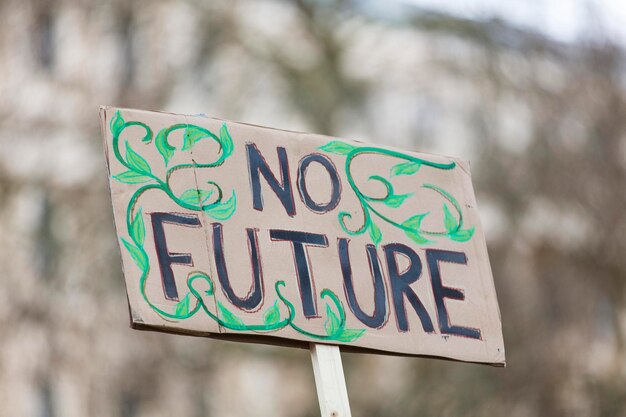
x=560 y=19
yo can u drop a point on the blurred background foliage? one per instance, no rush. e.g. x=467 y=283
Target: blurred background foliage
x=542 y=121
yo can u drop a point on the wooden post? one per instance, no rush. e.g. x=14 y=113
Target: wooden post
x=330 y=381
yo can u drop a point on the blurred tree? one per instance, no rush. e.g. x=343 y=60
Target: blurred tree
x=543 y=122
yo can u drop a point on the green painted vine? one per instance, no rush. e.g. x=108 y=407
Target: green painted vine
x=412 y=227
x=210 y=201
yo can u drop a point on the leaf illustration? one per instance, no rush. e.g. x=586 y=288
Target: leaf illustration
x=182 y=307
x=449 y=221
x=395 y=201
x=136 y=161
x=227 y=142
x=405 y=168
x=132 y=177
x=272 y=315
x=194 y=196
x=222 y=211
x=349 y=335
x=117 y=124
x=416 y=237
x=165 y=149
x=138 y=256
x=413 y=225
x=229 y=319
x=338 y=147
x=332 y=323
x=138 y=229
x=204 y=195
x=190 y=196
x=414 y=222
x=462 y=235
x=192 y=135
x=375 y=233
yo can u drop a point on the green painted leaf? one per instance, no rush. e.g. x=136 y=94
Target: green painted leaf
x=227 y=141
x=182 y=307
x=136 y=161
x=414 y=222
x=204 y=195
x=416 y=237
x=375 y=233
x=190 y=196
x=165 y=149
x=405 y=168
x=117 y=124
x=332 y=323
x=449 y=221
x=396 y=201
x=338 y=147
x=192 y=135
x=193 y=196
x=462 y=235
x=228 y=318
x=138 y=256
x=349 y=335
x=272 y=315
x=222 y=211
x=132 y=177
x=138 y=229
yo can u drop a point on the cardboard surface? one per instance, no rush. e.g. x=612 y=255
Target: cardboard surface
x=248 y=233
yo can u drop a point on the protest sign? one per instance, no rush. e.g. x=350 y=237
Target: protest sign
x=249 y=233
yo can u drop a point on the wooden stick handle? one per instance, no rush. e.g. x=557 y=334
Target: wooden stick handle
x=330 y=381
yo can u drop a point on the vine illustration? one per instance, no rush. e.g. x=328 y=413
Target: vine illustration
x=210 y=201
x=412 y=226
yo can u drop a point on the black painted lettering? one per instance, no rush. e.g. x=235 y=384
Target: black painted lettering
x=164 y=256
x=335 y=193
x=254 y=297
x=441 y=292
x=379 y=317
x=400 y=285
x=257 y=166
x=299 y=241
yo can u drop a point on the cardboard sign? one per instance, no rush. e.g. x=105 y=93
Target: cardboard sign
x=249 y=233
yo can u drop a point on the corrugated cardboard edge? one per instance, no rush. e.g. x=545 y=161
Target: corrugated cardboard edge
x=300 y=344
x=465 y=164
x=134 y=316
x=500 y=359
